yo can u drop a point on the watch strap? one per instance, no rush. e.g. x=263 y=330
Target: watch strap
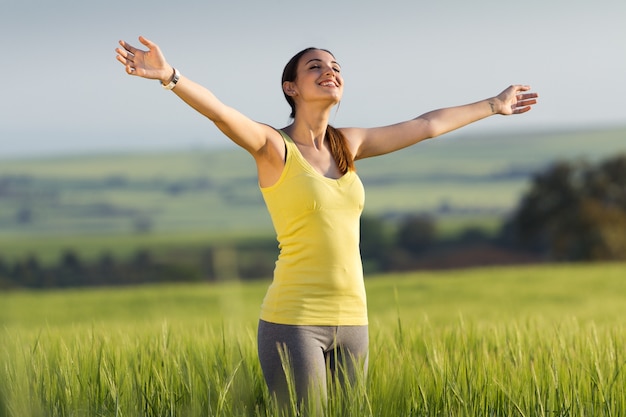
x=173 y=81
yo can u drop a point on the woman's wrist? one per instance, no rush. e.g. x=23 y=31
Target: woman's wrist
x=495 y=105
x=173 y=81
x=168 y=75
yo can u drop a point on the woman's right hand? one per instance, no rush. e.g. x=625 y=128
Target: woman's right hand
x=147 y=64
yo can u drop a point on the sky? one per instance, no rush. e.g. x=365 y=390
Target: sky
x=63 y=92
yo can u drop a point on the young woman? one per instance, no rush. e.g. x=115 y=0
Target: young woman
x=314 y=314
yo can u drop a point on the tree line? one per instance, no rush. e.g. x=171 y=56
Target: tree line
x=573 y=211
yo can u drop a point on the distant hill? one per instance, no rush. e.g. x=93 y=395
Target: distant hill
x=216 y=190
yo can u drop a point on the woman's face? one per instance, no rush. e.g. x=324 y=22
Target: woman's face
x=318 y=78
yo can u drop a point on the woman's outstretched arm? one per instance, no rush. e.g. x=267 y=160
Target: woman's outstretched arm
x=151 y=64
x=516 y=99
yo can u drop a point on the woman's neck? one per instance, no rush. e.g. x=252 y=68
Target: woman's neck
x=308 y=129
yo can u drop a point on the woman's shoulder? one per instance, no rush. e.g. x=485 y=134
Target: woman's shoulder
x=354 y=136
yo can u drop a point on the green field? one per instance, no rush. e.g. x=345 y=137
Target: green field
x=531 y=341
x=118 y=203
x=216 y=191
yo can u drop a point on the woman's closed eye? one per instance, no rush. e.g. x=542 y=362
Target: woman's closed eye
x=335 y=69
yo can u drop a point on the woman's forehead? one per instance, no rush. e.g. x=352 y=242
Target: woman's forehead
x=318 y=55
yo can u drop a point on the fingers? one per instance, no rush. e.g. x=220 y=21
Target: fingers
x=130 y=69
x=524 y=99
x=144 y=41
x=125 y=54
x=527 y=97
x=521 y=110
x=126 y=57
x=128 y=54
x=524 y=102
x=150 y=45
x=129 y=50
x=128 y=47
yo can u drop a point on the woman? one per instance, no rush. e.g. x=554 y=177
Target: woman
x=314 y=314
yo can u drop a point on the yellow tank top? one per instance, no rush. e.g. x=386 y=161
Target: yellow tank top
x=318 y=278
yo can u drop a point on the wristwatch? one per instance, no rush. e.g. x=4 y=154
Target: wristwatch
x=174 y=80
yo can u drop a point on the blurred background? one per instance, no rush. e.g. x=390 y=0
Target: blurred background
x=109 y=179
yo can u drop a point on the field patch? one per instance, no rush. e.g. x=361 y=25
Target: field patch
x=532 y=341
x=216 y=191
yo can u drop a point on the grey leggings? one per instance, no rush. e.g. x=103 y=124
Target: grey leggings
x=311 y=351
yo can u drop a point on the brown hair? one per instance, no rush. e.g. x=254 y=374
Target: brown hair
x=337 y=141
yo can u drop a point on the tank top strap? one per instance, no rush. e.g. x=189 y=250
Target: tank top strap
x=290 y=146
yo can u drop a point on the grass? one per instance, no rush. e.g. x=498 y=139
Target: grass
x=532 y=341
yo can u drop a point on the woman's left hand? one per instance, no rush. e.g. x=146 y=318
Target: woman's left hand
x=515 y=100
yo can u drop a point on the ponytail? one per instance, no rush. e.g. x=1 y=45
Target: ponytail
x=339 y=149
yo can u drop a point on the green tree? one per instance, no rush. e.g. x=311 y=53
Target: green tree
x=70 y=271
x=375 y=243
x=575 y=211
x=416 y=233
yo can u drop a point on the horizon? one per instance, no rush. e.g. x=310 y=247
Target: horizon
x=449 y=139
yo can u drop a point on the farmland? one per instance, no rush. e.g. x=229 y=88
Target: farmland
x=533 y=341
x=93 y=203
x=546 y=340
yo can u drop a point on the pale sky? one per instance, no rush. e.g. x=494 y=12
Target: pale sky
x=64 y=92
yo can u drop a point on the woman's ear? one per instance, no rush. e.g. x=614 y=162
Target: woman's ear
x=289 y=88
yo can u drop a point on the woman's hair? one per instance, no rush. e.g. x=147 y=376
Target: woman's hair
x=337 y=141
